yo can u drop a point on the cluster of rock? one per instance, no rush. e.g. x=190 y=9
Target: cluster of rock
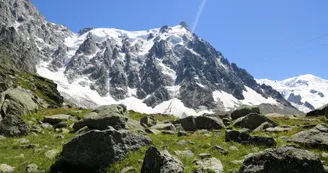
x=21 y=95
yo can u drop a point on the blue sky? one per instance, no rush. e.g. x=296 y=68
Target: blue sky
x=270 y=39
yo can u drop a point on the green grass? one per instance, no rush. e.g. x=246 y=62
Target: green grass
x=200 y=143
x=10 y=147
x=204 y=144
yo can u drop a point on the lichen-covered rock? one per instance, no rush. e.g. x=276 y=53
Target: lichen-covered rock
x=148 y=121
x=314 y=138
x=208 y=123
x=96 y=149
x=160 y=162
x=102 y=117
x=282 y=160
x=17 y=102
x=244 y=111
x=13 y=125
x=6 y=168
x=252 y=121
x=188 y=123
x=55 y=119
x=245 y=138
x=210 y=165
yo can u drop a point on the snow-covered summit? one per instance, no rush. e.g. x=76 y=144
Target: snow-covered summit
x=306 y=92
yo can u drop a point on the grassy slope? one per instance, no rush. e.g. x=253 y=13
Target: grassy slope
x=201 y=143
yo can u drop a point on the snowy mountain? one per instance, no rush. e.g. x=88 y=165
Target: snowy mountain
x=306 y=92
x=166 y=70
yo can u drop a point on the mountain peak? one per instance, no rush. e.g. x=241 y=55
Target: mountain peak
x=311 y=91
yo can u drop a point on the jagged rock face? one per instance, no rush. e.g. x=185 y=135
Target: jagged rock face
x=26 y=35
x=154 y=66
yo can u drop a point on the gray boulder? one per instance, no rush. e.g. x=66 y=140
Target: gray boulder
x=253 y=121
x=314 y=138
x=96 y=149
x=104 y=116
x=17 y=102
x=32 y=168
x=208 y=123
x=55 y=119
x=112 y=110
x=322 y=111
x=167 y=126
x=6 y=168
x=148 y=121
x=188 y=123
x=241 y=112
x=13 y=125
x=102 y=122
x=245 y=138
x=282 y=160
x=210 y=165
x=160 y=162
x=263 y=126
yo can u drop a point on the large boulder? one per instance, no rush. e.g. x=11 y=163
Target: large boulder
x=17 y=102
x=241 y=112
x=102 y=122
x=188 y=123
x=314 y=138
x=148 y=121
x=210 y=165
x=245 y=138
x=160 y=162
x=252 y=121
x=167 y=126
x=282 y=160
x=55 y=119
x=96 y=149
x=322 y=111
x=13 y=125
x=209 y=123
x=112 y=110
x=102 y=117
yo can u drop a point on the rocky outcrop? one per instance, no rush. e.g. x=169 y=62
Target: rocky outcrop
x=274 y=161
x=208 y=123
x=148 y=121
x=252 y=121
x=102 y=117
x=17 y=102
x=241 y=112
x=13 y=125
x=323 y=111
x=209 y=165
x=314 y=138
x=201 y=122
x=160 y=162
x=188 y=123
x=97 y=149
x=245 y=138
x=55 y=119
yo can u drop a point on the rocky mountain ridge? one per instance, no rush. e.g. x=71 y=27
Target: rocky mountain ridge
x=165 y=70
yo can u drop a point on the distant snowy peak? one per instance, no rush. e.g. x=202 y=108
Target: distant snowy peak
x=306 y=92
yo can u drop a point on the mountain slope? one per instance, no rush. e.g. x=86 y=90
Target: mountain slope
x=164 y=70
x=306 y=92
